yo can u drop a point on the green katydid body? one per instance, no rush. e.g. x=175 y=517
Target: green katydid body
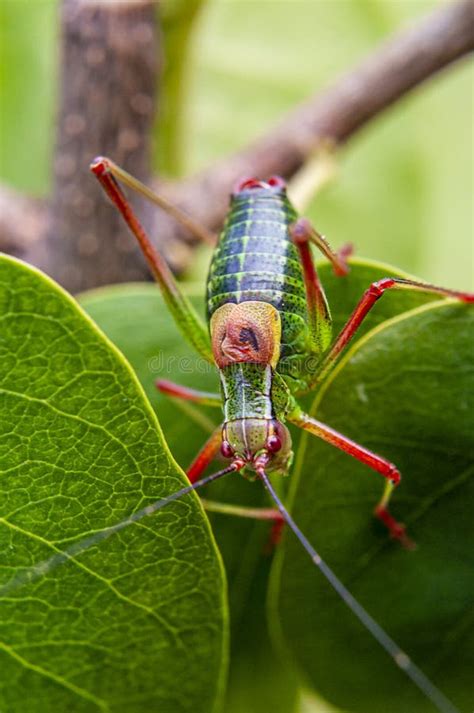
x=261 y=351
x=256 y=259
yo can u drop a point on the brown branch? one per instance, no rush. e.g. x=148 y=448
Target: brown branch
x=389 y=73
x=109 y=54
x=109 y=70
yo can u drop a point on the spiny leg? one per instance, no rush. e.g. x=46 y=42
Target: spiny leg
x=318 y=308
x=186 y=318
x=380 y=465
x=368 y=300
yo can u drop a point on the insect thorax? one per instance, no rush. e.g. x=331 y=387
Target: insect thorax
x=256 y=260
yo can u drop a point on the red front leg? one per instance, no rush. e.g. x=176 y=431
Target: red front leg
x=205 y=456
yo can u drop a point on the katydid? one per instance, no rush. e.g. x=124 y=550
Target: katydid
x=267 y=313
x=269 y=334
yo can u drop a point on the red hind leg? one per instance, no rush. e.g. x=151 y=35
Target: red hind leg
x=367 y=301
x=205 y=456
x=374 y=461
x=303 y=233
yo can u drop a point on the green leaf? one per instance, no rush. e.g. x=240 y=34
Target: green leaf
x=405 y=391
x=126 y=624
x=136 y=319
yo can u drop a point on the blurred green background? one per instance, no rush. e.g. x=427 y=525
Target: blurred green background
x=404 y=192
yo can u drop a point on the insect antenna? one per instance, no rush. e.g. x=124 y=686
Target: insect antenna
x=41 y=568
x=401 y=659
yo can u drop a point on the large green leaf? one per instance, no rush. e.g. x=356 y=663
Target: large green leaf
x=127 y=624
x=136 y=319
x=405 y=391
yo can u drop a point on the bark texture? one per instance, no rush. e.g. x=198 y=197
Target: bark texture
x=109 y=70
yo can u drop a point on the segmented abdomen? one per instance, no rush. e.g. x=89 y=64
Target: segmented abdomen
x=256 y=260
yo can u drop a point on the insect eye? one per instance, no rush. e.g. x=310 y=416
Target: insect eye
x=277 y=182
x=226 y=449
x=274 y=444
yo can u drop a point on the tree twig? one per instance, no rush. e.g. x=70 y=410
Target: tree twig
x=109 y=74
x=336 y=114
x=107 y=107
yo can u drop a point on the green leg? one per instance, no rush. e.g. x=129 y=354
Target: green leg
x=271 y=514
x=242 y=511
x=186 y=318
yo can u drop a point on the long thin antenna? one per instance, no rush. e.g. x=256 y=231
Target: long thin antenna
x=41 y=568
x=398 y=655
